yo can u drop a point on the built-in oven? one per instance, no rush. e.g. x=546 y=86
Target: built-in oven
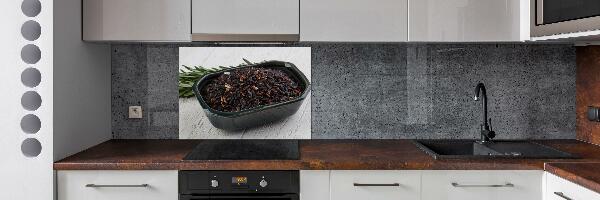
x=552 y=17
x=238 y=185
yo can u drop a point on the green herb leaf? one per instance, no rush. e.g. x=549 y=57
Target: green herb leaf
x=189 y=75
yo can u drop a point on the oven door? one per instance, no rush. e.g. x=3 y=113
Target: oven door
x=552 y=17
x=239 y=197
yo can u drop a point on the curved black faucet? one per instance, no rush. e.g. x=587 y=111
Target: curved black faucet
x=487 y=134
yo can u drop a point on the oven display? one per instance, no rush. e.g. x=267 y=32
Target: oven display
x=239 y=180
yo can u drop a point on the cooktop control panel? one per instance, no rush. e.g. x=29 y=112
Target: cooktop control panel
x=228 y=182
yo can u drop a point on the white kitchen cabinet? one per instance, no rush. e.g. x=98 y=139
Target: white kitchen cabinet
x=136 y=20
x=244 y=20
x=482 y=185
x=117 y=185
x=354 y=20
x=560 y=189
x=468 y=21
x=375 y=185
x=314 y=184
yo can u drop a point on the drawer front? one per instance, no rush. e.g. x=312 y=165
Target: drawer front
x=314 y=184
x=560 y=189
x=117 y=185
x=482 y=185
x=375 y=185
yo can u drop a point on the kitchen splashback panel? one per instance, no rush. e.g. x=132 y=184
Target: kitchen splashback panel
x=371 y=91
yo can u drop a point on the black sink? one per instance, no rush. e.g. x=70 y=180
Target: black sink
x=469 y=149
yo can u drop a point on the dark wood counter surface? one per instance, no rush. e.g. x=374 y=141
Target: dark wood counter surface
x=314 y=154
x=584 y=174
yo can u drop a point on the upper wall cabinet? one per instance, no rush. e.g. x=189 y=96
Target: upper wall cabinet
x=244 y=20
x=307 y=20
x=468 y=20
x=136 y=20
x=354 y=20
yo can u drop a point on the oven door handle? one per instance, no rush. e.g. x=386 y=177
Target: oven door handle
x=285 y=196
x=253 y=197
x=190 y=197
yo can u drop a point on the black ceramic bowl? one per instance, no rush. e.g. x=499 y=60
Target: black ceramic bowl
x=259 y=115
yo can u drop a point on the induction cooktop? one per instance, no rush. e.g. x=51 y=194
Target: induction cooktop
x=245 y=150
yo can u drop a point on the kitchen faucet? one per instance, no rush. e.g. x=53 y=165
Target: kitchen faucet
x=487 y=134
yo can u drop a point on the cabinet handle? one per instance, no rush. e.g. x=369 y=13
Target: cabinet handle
x=115 y=186
x=468 y=186
x=562 y=195
x=376 y=184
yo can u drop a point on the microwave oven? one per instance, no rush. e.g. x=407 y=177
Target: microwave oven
x=554 y=17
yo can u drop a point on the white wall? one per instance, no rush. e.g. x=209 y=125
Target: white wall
x=82 y=109
x=23 y=177
x=75 y=95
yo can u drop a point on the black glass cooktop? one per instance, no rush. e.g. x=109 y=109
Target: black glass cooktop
x=245 y=150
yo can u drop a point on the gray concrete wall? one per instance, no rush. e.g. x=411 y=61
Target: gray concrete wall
x=364 y=91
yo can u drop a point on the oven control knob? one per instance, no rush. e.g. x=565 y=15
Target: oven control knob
x=263 y=183
x=214 y=183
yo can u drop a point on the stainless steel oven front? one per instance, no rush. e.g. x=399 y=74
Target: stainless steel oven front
x=552 y=17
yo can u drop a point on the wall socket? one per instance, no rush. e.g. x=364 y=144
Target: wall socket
x=135 y=112
x=593 y=114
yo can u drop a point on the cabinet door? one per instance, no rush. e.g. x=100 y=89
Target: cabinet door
x=482 y=185
x=560 y=189
x=231 y=20
x=117 y=185
x=354 y=20
x=314 y=185
x=375 y=185
x=136 y=20
x=468 y=21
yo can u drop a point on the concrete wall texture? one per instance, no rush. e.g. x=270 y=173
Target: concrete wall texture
x=383 y=91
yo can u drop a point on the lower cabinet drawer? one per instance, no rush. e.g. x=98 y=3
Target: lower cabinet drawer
x=560 y=189
x=375 y=185
x=482 y=185
x=117 y=185
x=314 y=184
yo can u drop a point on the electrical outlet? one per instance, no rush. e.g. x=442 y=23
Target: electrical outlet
x=135 y=112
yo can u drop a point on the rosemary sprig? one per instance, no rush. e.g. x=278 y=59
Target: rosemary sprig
x=189 y=76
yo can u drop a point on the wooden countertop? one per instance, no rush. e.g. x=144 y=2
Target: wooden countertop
x=331 y=155
x=584 y=174
x=314 y=155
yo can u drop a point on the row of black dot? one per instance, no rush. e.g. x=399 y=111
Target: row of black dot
x=31 y=78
